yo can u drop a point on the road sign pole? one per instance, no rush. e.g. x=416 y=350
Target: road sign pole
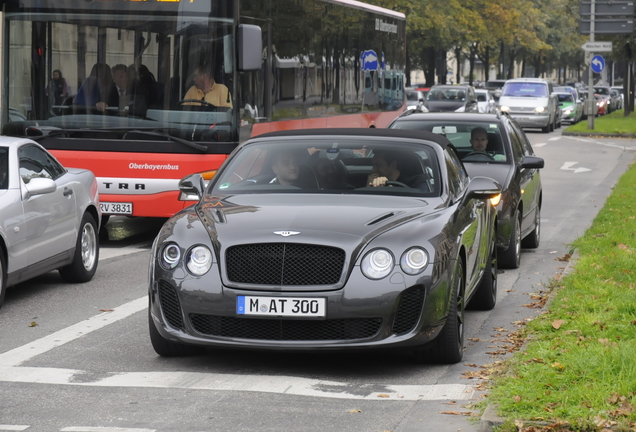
x=590 y=81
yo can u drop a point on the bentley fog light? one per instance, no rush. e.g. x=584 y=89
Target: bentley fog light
x=199 y=260
x=414 y=261
x=377 y=264
x=170 y=256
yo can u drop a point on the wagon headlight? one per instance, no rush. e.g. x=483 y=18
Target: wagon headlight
x=377 y=264
x=567 y=112
x=414 y=261
x=504 y=108
x=199 y=260
x=539 y=109
x=170 y=256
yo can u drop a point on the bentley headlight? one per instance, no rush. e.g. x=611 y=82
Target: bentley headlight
x=199 y=260
x=170 y=256
x=377 y=264
x=504 y=108
x=539 y=109
x=414 y=261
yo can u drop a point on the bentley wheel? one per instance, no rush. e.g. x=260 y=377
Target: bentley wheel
x=449 y=345
x=166 y=348
x=511 y=257
x=485 y=297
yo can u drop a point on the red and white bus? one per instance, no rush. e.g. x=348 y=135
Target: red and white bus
x=287 y=64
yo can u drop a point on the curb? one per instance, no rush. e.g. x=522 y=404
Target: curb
x=599 y=135
x=490 y=419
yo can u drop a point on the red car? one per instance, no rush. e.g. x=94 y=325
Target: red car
x=601 y=103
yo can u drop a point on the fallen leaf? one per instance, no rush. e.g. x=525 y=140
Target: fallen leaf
x=556 y=324
x=355 y=411
x=33 y=324
x=383 y=395
x=107 y=310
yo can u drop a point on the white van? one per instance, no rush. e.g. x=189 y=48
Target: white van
x=530 y=102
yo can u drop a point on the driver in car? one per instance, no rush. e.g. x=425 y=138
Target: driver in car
x=387 y=169
x=207 y=90
x=479 y=142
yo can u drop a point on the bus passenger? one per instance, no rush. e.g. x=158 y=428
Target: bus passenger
x=57 y=90
x=208 y=90
x=95 y=87
x=119 y=91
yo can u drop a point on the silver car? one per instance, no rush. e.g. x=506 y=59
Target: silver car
x=49 y=216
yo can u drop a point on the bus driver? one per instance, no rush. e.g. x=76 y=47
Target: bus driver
x=208 y=90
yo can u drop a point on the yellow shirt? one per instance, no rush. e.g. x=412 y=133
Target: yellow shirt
x=218 y=95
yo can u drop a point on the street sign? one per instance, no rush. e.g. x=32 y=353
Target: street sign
x=597 y=64
x=597 y=46
x=608 y=26
x=615 y=8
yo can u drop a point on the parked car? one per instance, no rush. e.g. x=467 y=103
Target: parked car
x=621 y=93
x=583 y=93
x=572 y=109
x=604 y=92
x=485 y=101
x=312 y=257
x=449 y=98
x=508 y=158
x=616 y=100
x=530 y=101
x=415 y=100
x=49 y=216
x=602 y=104
x=495 y=86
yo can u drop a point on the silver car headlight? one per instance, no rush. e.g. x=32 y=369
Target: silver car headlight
x=377 y=264
x=199 y=260
x=170 y=256
x=504 y=108
x=567 y=112
x=414 y=261
x=539 y=109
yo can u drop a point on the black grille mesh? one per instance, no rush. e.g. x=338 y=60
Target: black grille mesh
x=409 y=310
x=284 y=264
x=286 y=330
x=170 y=304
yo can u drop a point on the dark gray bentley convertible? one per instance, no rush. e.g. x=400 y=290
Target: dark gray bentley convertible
x=327 y=239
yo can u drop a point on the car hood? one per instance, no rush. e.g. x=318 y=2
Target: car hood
x=319 y=219
x=496 y=171
x=435 y=106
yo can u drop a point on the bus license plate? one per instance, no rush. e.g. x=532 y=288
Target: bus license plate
x=116 y=208
x=281 y=306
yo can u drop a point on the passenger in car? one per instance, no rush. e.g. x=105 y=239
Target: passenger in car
x=392 y=167
x=289 y=171
x=331 y=174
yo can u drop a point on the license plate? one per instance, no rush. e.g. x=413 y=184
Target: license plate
x=280 y=306
x=116 y=208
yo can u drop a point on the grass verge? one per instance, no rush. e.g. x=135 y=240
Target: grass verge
x=614 y=123
x=577 y=371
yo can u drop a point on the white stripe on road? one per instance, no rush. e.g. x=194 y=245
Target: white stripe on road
x=554 y=138
x=13 y=427
x=229 y=382
x=47 y=343
x=10 y=371
x=104 y=429
x=105 y=253
x=539 y=145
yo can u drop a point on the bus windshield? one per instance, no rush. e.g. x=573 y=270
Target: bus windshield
x=121 y=67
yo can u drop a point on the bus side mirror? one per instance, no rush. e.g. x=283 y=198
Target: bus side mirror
x=250 y=47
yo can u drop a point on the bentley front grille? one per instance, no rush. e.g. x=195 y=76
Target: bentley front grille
x=286 y=330
x=284 y=264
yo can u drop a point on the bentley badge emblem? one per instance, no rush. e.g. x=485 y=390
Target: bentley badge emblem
x=286 y=233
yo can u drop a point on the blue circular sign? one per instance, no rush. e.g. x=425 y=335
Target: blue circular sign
x=597 y=64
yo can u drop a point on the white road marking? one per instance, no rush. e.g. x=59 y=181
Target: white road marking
x=26 y=352
x=539 y=145
x=567 y=166
x=229 y=382
x=13 y=427
x=105 y=253
x=104 y=429
x=554 y=138
x=10 y=371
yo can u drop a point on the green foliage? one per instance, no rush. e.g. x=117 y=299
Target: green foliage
x=614 y=123
x=578 y=368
